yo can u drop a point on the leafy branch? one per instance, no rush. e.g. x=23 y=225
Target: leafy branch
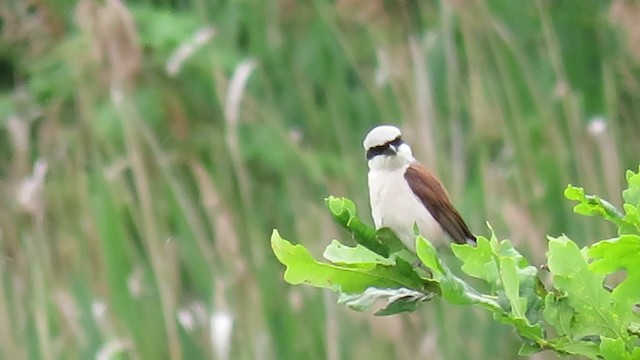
x=577 y=315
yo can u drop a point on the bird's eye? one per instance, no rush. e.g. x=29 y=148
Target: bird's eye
x=397 y=141
x=384 y=149
x=376 y=150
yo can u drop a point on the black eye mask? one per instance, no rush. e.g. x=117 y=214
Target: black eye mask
x=384 y=149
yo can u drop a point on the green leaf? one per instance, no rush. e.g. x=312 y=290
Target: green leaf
x=343 y=211
x=631 y=195
x=397 y=300
x=614 y=349
x=610 y=256
x=590 y=205
x=483 y=262
x=565 y=345
x=302 y=268
x=429 y=256
x=558 y=313
x=529 y=348
x=454 y=290
x=574 y=193
x=632 y=218
x=583 y=290
x=479 y=261
x=339 y=253
x=511 y=283
x=510 y=277
x=387 y=237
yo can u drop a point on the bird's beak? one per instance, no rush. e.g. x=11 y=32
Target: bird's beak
x=393 y=148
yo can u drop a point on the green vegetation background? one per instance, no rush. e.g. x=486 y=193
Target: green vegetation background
x=148 y=148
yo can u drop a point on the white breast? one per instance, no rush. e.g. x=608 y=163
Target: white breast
x=394 y=205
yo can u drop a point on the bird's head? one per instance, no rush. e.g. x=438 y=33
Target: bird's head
x=385 y=148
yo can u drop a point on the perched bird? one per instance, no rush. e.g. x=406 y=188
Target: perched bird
x=403 y=192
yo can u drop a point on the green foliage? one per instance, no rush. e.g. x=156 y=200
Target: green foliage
x=352 y=271
x=344 y=212
x=151 y=219
x=611 y=256
x=586 y=317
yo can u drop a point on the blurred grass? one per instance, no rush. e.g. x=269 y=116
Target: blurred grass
x=149 y=149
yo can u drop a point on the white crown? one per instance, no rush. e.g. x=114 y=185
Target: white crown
x=380 y=135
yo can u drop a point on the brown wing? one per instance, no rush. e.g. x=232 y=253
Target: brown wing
x=428 y=189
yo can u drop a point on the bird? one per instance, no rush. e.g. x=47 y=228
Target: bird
x=402 y=192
